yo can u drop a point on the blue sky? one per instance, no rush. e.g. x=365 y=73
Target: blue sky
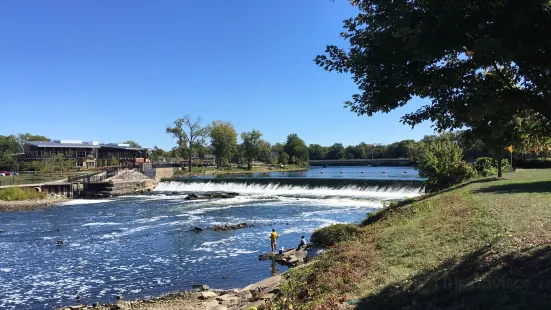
x=116 y=70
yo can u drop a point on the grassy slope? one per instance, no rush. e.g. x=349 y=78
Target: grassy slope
x=31 y=178
x=484 y=245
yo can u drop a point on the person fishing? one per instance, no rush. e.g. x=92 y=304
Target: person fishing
x=302 y=244
x=273 y=239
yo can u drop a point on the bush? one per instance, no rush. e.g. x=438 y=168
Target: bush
x=485 y=166
x=442 y=164
x=331 y=235
x=16 y=193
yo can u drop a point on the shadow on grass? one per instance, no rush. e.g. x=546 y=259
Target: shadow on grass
x=518 y=281
x=532 y=187
x=484 y=180
x=396 y=206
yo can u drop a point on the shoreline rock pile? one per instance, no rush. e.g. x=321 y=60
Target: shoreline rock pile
x=201 y=297
x=223 y=227
x=222 y=195
x=291 y=257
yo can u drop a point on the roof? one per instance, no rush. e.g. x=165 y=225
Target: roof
x=83 y=145
x=61 y=145
x=124 y=147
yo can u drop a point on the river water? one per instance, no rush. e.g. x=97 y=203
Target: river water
x=139 y=246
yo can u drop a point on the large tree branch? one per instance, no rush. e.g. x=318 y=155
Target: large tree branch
x=502 y=76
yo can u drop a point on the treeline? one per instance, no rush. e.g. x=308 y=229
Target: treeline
x=230 y=148
x=14 y=144
x=227 y=146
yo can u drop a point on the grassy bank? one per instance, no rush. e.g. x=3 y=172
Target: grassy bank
x=482 y=245
x=224 y=171
x=36 y=178
x=18 y=194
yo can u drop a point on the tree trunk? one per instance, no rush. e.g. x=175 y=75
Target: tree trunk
x=189 y=160
x=499 y=172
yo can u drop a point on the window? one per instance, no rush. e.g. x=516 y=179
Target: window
x=81 y=154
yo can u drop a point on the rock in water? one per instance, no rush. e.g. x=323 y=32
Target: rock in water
x=192 y=197
x=197 y=229
x=231 y=227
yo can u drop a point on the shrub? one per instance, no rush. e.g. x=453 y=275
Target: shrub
x=16 y=193
x=442 y=164
x=331 y=235
x=485 y=166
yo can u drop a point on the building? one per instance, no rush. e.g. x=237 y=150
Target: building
x=86 y=154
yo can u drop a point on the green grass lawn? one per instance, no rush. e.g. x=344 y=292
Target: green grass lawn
x=16 y=193
x=483 y=245
x=31 y=178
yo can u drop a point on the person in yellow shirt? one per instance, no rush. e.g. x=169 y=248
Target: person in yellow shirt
x=273 y=238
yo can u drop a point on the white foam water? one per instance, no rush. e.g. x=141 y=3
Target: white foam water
x=276 y=189
x=84 y=202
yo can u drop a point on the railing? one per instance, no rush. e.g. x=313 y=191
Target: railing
x=109 y=172
x=8 y=181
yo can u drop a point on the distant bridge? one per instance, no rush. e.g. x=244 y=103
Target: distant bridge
x=361 y=162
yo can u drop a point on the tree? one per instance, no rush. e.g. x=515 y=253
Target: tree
x=351 y=152
x=498 y=131
x=403 y=48
x=317 y=152
x=238 y=155
x=294 y=160
x=223 y=139
x=251 y=144
x=336 y=151
x=24 y=137
x=264 y=151
x=113 y=161
x=132 y=143
x=284 y=158
x=189 y=134
x=295 y=146
x=441 y=163
x=7 y=162
x=278 y=148
x=9 y=144
x=362 y=149
x=34 y=165
x=274 y=160
x=159 y=154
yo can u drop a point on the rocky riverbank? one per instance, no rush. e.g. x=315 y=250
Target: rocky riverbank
x=31 y=204
x=254 y=295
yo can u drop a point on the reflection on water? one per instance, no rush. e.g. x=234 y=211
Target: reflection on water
x=141 y=245
x=275 y=272
x=333 y=172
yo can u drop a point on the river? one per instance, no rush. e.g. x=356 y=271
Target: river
x=140 y=245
